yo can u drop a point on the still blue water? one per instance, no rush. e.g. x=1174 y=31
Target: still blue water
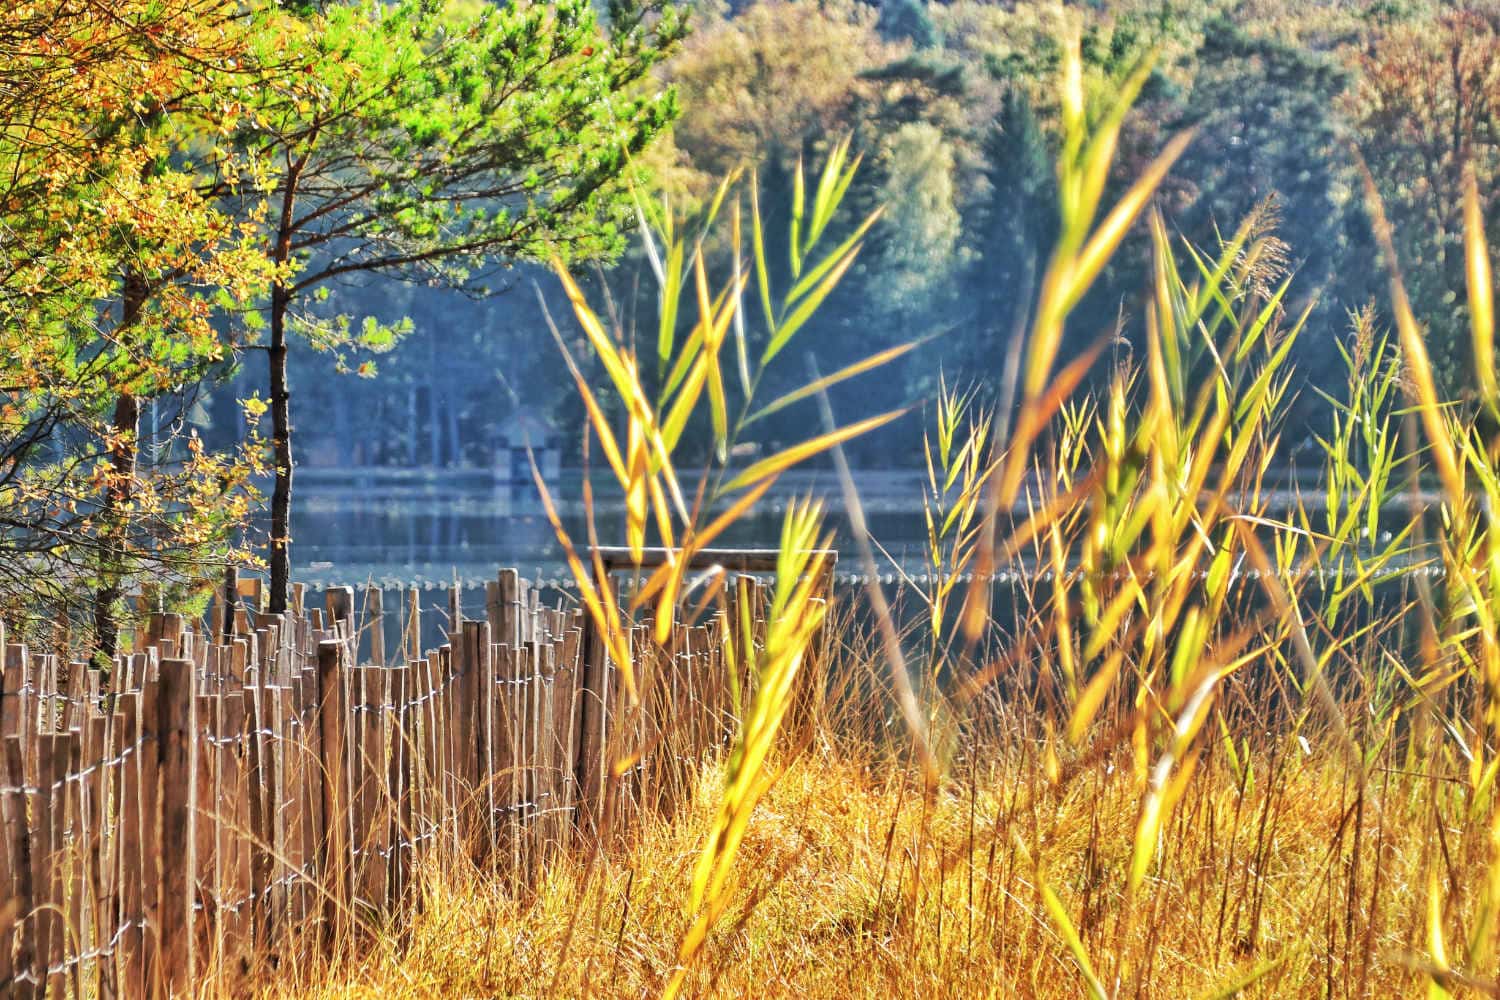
x=428 y=533
x=403 y=529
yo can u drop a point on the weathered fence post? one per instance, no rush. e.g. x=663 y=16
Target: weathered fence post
x=398 y=786
x=333 y=847
x=413 y=624
x=177 y=714
x=481 y=692
x=375 y=622
x=373 y=812
x=507 y=596
x=18 y=848
x=340 y=604
x=48 y=821
x=455 y=612
x=593 y=725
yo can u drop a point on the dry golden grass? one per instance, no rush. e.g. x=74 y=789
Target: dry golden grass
x=856 y=885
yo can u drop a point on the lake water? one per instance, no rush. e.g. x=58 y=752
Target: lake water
x=427 y=532
x=399 y=531
x=422 y=529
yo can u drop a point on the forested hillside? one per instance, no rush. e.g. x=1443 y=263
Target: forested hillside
x=952 y=106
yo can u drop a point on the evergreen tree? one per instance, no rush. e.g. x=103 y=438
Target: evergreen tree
x=908 y=21
x=1010 y=233
x=423 y=143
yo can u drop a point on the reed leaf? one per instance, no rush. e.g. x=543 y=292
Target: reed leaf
x=796 y=454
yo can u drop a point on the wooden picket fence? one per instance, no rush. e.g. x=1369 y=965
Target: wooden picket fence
x=242 y=794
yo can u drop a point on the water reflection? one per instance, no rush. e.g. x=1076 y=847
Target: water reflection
x=429 y=537
x=422 y=531
x=425 y=534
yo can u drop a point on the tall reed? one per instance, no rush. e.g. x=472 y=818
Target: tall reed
x=1179 y=727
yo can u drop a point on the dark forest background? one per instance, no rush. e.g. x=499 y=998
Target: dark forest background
x=952 y=106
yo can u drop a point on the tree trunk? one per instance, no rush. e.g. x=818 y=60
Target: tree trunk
x=434 y=414
x=281 y=440
x=281 y=396
x=413 y=429
x=122 y=460
x=455 y=443
x=434 y=428
x=123 y=452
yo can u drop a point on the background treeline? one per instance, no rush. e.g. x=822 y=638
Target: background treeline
x=223 y=222
x=952 y=105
